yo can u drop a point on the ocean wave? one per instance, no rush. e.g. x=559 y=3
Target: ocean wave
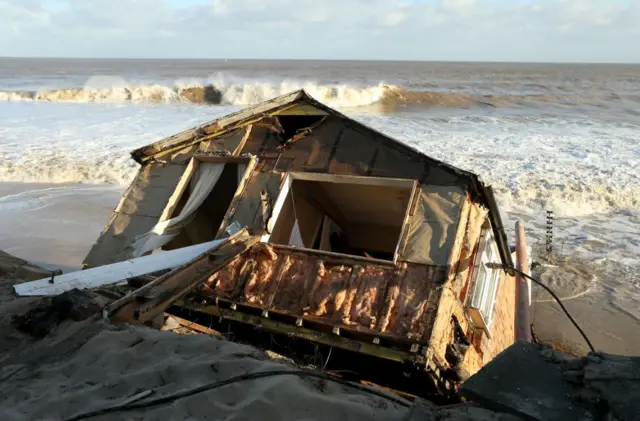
x=571 y=200
x=242 y=93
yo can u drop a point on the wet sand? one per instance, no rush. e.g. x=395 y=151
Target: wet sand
x=55 y=225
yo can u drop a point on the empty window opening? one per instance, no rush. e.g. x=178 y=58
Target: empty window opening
x=348 y=218
x=203 y=225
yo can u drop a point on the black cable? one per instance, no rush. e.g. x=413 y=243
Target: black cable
x=537 y=282
x=248 y=376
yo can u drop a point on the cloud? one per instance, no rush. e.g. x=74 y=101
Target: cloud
x=509 y=30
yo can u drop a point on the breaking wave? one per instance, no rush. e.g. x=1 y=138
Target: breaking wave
x=252 y=92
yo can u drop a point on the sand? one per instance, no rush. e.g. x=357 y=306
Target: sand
x=54 y=225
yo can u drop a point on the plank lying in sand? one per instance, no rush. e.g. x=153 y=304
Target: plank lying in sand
x=146 y=303
x=111 y=274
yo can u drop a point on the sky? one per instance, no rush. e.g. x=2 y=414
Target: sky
x=458 y=30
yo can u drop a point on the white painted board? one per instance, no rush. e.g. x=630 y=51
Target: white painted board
x=115 y=272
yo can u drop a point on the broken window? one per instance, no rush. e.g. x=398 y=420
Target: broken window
x=198 y=205
x=361 y=216
x=481 y=307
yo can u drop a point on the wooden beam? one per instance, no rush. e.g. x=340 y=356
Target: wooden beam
x=144 y=304
x=332 y=257
x=238 y=150
x=194 y=326
x=179 y=191
x=236 y=197
x=222 y=159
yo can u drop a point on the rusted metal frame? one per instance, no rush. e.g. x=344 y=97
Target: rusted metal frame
x=308 y=334
x=147 y=302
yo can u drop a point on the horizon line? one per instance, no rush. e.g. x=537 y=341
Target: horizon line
x=323 y=59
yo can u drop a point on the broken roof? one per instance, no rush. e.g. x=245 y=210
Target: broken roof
x=306 y=105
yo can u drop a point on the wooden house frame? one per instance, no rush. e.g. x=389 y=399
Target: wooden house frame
x=403 y=286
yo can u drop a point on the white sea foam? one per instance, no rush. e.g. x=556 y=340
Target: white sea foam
x=574 y=166
x=217 y=89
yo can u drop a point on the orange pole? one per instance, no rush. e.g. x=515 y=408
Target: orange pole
x=523 y=318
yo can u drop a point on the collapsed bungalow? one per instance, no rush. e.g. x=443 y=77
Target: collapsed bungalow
x=365 y=244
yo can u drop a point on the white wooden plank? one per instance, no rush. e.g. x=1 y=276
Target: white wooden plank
x=113 y=273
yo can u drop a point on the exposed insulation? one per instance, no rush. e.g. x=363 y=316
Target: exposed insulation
x=261 y=279
x=366 y=303
x=414 y=301
x=329 y=290
x=224 y=283
x=298 y=274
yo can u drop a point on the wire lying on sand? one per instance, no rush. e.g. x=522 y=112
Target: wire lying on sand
x=249 y=376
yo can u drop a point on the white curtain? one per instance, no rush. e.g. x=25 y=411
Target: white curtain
x=205 y=178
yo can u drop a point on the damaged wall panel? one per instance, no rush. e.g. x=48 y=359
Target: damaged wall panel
x=412 y=302
x=391 y=162
x=354 y=153
x=433 y=227
x=138 y=211
x=120 y=232
x=247 y=210
x=329 y=291
x=227 y=142
x=366 y=297
x=310 y=151
x=367 y=301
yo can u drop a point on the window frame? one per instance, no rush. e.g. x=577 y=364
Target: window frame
x=482 y=299
x=411 y=184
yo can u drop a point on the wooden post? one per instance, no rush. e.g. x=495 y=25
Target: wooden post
x=523 y=320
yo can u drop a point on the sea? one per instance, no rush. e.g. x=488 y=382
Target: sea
x=560 y=144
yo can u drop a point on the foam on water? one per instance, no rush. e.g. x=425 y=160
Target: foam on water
x=230 y=90
x=575 y=166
